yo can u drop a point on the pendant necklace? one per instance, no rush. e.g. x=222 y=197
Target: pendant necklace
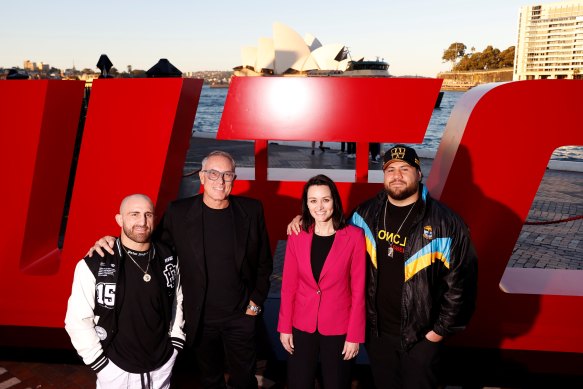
x=390 y=250
x=146 y=277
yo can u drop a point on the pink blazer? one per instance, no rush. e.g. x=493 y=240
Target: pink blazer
x=335 y=305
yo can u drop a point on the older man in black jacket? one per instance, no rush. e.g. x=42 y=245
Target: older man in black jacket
x=226 y=263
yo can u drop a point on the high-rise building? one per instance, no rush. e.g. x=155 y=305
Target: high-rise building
x=30 y=66
x=550 y=41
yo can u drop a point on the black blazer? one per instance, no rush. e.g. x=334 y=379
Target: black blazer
x=181 y=228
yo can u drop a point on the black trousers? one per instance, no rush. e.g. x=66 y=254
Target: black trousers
x=351 y=148
x=231 y=340
x=395 y=368
x=375 y=149
x=302 y=366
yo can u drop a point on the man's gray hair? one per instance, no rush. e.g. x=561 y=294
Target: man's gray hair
x=219 y=153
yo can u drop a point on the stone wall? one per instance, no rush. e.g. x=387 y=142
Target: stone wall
x=467 y=80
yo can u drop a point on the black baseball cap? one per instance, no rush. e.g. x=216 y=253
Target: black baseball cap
x=401 y=153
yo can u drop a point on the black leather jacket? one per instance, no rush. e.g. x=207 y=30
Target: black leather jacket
x=441 y=269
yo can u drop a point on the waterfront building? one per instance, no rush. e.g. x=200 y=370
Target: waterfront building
x=550 y=41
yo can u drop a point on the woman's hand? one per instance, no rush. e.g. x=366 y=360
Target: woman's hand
x=295 y=226
x=287 y=340
x=350 y=350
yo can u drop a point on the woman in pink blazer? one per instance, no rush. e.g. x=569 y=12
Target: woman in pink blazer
x=322 y=313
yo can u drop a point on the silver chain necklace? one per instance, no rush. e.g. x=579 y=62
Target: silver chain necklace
x=390 y=250
x=146 y=277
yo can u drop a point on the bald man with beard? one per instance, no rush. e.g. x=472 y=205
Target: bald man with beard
x=124 y=315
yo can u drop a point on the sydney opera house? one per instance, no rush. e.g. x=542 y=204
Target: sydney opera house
x=288 y=54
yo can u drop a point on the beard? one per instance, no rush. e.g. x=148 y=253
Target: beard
x=138 y=237
x=402 y=193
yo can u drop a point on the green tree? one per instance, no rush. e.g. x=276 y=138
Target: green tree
x=466 y=63
x=489 y=59
x=453 y=52
x=507 y=58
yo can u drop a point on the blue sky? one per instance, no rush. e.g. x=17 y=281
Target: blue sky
x=208 y=35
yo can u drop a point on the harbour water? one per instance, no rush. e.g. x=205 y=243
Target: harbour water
x=212 y=101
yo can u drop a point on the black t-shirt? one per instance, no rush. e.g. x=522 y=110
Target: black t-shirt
x=321 y=246
x=141 y=343
x=225 y=289
x=391 y=270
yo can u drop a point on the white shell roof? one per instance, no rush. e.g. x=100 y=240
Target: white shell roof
x=312 y=42
x=249 y=56
x=289 y=47
x=265 y=55
x=305 y=63
x=342 y=65
x=324 y=56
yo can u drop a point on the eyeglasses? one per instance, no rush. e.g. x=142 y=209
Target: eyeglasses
x=214 y=175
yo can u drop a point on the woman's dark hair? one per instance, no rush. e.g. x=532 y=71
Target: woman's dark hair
x=338 y=219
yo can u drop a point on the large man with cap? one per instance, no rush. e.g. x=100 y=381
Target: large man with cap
x=124 y=315
x=422 y=275
x=226 y=263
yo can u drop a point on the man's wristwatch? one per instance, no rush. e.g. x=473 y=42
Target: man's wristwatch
x=254 y=308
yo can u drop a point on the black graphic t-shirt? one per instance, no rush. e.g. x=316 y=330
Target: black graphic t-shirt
x=141 y=343
x=391 y=270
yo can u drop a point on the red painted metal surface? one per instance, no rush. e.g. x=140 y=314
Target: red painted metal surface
x=135 y=139
x=281 y=200
x=488 y=168
x=38 y=123
x=330 y=109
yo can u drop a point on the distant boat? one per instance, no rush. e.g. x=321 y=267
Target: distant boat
x=362 y=68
